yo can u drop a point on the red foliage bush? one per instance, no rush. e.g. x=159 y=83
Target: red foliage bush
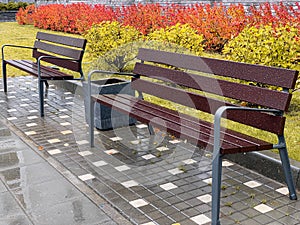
x=72 y=18
x=217 y=23
x=25 y=16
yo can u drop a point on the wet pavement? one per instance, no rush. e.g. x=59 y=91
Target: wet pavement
x=50 y=175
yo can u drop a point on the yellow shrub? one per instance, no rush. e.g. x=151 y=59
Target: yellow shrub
x=181 y=35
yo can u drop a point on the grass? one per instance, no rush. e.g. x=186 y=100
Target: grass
x=12 y=33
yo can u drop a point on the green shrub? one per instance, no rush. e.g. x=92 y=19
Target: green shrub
x=266 y=45
x=13 y=5
x=181 y=35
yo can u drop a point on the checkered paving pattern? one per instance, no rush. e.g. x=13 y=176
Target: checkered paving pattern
x=150 y=179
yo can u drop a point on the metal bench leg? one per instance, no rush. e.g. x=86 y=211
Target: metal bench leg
x=150 y=129
x=46 y=88
x=216 y=188
x=91 y=122
x=287 y=168
x=41 y=96
x=4 y=77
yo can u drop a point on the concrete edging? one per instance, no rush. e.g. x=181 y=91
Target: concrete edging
x=271 y=162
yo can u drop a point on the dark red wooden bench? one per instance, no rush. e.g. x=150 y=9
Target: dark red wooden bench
x=60 y=51
x=214 y=87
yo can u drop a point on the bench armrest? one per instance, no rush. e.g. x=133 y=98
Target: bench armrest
x=217 y=122
x=49 y=57
x=14 y=46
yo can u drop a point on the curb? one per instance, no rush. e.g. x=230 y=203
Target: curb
x=271 y=162
x=252 y=160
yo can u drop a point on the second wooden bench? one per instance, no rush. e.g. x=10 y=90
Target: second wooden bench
x=57 y=50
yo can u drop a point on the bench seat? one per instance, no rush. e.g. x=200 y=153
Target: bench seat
x=182 y=126
x=47 y=73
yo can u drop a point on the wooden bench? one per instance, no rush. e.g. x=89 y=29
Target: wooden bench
x=59 y=51
x=218 y=90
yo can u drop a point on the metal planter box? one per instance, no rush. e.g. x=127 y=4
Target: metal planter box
x=105 y=118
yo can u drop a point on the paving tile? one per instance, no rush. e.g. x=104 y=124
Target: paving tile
x=263 y=208
x=201 y=219
x=130 y=183
x=205 y=198
x=86 y=177
x=168 y=186
x=138 y=203
x=54 y=151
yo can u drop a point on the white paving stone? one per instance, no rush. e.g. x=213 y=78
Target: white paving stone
x=116 y=139
x=54 y=151
x=111 y=151
x=55 y=140
x=175 y=171
x=162 y=148
x=138 y=203
x=28 y=133
x=130 y=183
x=283 y=190
x=263 y=208
x=100 y=163
x=85 y=153
x=227 y=164
x=141 y=126
x=82 y=142
x=201 y=219
x=148 y=156
x=85 y=177
x=208 y=181
x=189 y=161
x=205 y=198
x=168 y=186
x=252 y=184
x=65 y=132
x=122 y=168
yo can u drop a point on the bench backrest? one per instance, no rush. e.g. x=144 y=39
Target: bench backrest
x=61 y=46
x=218 y=83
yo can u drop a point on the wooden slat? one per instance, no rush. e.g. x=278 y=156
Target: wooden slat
x=256 y=73
x=64 y=40
x=259 y=120
x=46 y=72
x=60 y=50
x=185 y=126
x=264 y=121
x=248 y=93
x=71 y=65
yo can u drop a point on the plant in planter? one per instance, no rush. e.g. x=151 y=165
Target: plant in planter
x=9 y=10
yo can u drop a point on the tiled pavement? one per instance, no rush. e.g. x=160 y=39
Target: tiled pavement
x=148 y=179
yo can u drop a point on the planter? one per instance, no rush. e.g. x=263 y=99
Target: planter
x=105 y=118
x=7 y=16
